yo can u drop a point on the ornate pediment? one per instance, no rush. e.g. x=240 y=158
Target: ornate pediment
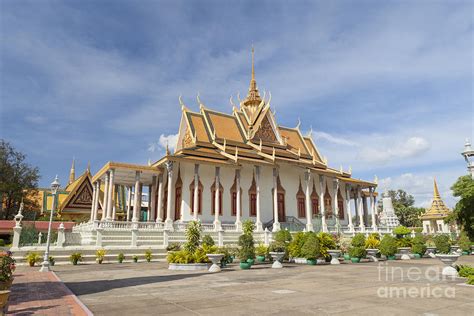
x=265 y=132
x=81 y=197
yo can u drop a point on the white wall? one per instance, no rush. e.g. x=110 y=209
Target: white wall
x=289 y=178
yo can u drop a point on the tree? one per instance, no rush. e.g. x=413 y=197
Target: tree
x=463 y=212
x=407 y=214
x=18 y=180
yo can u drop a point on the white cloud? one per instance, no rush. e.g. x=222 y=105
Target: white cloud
x=421 y=186
x=333 y=139
x=169 y=140
x=411 y=147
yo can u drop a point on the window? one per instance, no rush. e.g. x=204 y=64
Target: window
x=340 y=204
x=253 y=198
x=328 y=203
x=315 y=201
x=177 y=197
x=280 y=201
x=233 y=197
x=300 y=202
x=191 y=190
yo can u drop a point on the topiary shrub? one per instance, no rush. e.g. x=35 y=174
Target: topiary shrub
x=207 y=240
x=247 y=247
x=326 y=242
x=442 y=243
x=248 y=227
x=388 y=245
x=358 y=240
x=418 y=245
x=295 y=246
x=401 y=231
x=464 y=242
x=406 y=241
x=357 y=252
x=311 y=247
x=193 y=235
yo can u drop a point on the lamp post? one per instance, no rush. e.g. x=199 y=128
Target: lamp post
x=54 y=190
x=468 y=154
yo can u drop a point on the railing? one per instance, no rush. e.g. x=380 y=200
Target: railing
x=229 y=227
x=208 y=227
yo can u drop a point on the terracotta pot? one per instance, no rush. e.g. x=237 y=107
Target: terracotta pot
x=4 y=298
x=6 y=285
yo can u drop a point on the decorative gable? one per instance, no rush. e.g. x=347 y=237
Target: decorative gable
x=265 y=132
x=81 y=198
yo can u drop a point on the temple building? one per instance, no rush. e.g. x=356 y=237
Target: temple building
x=433 y=219
x=227 y=167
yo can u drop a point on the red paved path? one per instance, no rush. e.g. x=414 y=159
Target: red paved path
x=42 y=293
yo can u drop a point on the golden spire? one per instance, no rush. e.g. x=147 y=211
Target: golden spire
x=436 y=195
x=72 y=173
x=438 y=209
x=89 y=166
x=253 y=97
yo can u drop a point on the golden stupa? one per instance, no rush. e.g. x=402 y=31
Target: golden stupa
x=438 y=209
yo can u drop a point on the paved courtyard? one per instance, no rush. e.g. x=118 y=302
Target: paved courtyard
x=151 y=289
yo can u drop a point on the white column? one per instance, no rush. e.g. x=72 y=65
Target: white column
x=359 y=210
x=97 y=197
x=149 y=206
x=258 y=224
x=373 y=208
x=276 y=222
x=348 y=207
x=110 y=195
x=196 y=192
x=136 y=197
x=94 y=191
x=217 y=223
x=114 y=203
x=153 y=198
x=159 y=211
x=321 y=204
x=238 y=222
x=129 y=202
x=106 y=193
x=335 y=206
x=309 y=217
x=169 y=220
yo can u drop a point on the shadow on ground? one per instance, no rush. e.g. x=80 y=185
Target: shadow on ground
x=96 y=286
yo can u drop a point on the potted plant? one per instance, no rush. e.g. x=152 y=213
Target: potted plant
x=4 y=299
x=357 y=250
x=311 y=248
x=247 y=245
x=120 y=257
x=326 y=243
x=418 y=246
x=295 y=246
x=372 y=245
x=388 y=247
x=277 y=251
x=443 y=246
x=430 y=247
x=100 y=255
x=464 y=243
x=51 y=260
x=32 y=258
x=75 y=258
x=261 y=252
x=135 y=258
x=7 y=266
x=225 y=251
x=148 y=255
x=344 y=246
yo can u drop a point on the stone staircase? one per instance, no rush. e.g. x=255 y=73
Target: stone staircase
x=61 y=255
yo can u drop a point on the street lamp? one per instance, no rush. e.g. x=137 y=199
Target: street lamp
x=54 y=189
x=468 y=154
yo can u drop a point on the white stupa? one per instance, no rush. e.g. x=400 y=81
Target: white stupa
x=388 y=218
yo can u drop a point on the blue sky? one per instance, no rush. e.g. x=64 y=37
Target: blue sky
x=386 y=86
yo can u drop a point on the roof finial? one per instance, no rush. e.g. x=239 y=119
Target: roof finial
x=72 y=173
x=89 y=166
x=436 y=194
x=253 y=63
x=167 y=149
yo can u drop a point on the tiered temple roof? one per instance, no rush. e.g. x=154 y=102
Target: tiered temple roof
x=438 y=209
x=250 y=134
